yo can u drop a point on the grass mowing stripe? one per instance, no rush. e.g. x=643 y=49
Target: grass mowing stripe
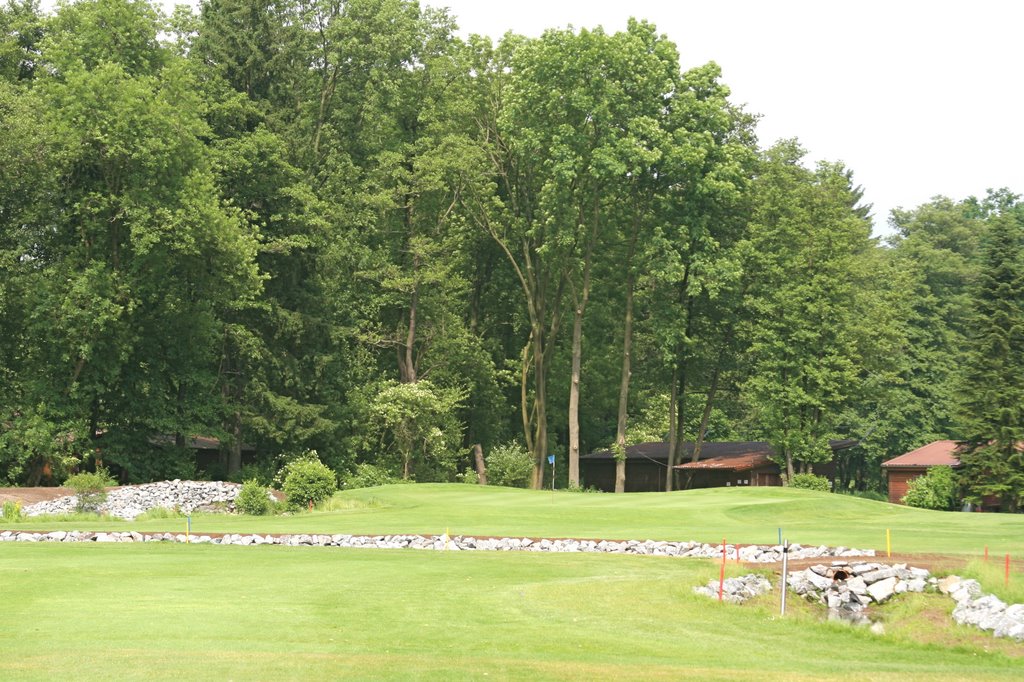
x=200 y=612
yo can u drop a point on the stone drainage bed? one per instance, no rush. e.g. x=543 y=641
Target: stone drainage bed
x=847 y=589
x=698 y=550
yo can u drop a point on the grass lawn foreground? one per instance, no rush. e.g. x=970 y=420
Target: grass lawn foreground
x=162 y=611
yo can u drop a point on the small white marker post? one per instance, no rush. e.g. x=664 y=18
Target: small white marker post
x=785 y=575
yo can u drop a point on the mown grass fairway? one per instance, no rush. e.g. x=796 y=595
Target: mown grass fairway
x=205 y=612
x=744 y=515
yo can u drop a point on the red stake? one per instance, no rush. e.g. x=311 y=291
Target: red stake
x=721 y=574
x=986 y=552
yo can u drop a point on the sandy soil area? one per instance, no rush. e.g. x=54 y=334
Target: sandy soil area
x=29 y=496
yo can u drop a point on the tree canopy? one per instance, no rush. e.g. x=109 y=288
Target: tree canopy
x=338 y=226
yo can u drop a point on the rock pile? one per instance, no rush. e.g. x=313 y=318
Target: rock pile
x=131 y=501
x=847 y=589
x=736 y=590
x=983 y=611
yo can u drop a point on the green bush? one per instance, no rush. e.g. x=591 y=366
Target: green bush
x=469 y=475
x=90 y=489
x=509 y=465
x=308 y=480
x=935 y=490
x=253 y=499
x=369 y=476
x=810 y=482
x=12 y=511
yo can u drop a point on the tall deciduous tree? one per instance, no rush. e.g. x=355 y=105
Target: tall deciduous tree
x=143 y=261
x=541 y=132
x=706 y=172
x=21 y=32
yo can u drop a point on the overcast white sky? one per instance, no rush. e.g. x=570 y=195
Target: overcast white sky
x=918 y=98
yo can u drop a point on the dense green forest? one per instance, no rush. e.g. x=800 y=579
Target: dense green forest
x=335 y=225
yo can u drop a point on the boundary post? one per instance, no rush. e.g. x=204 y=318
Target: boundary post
x=785 y=575
x=721 y=573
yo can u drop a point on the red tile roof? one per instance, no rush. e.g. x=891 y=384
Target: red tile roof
x=937 y=453
x=743 y=461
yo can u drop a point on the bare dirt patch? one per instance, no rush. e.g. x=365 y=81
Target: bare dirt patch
x=32 y=495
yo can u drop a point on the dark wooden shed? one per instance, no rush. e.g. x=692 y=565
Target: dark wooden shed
x=743 y=463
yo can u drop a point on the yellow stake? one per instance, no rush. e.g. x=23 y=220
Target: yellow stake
x=888 y=543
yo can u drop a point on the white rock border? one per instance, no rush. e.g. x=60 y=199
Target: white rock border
x=748 y=553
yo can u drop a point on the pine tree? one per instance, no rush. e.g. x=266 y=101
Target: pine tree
x=992 y=393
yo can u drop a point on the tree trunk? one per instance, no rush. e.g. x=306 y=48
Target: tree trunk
x=407 y=360
x=577 y=357
x=680 y=425
x=673 y=436
x=235 y=453
x=540 y=412
x=574 y=397
x=524 y=396
x=410 y=341
x=620 y=475
x=620 y=426
x=679 y=377
x=705 y=416
x=627 y=349
x=481 y=470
